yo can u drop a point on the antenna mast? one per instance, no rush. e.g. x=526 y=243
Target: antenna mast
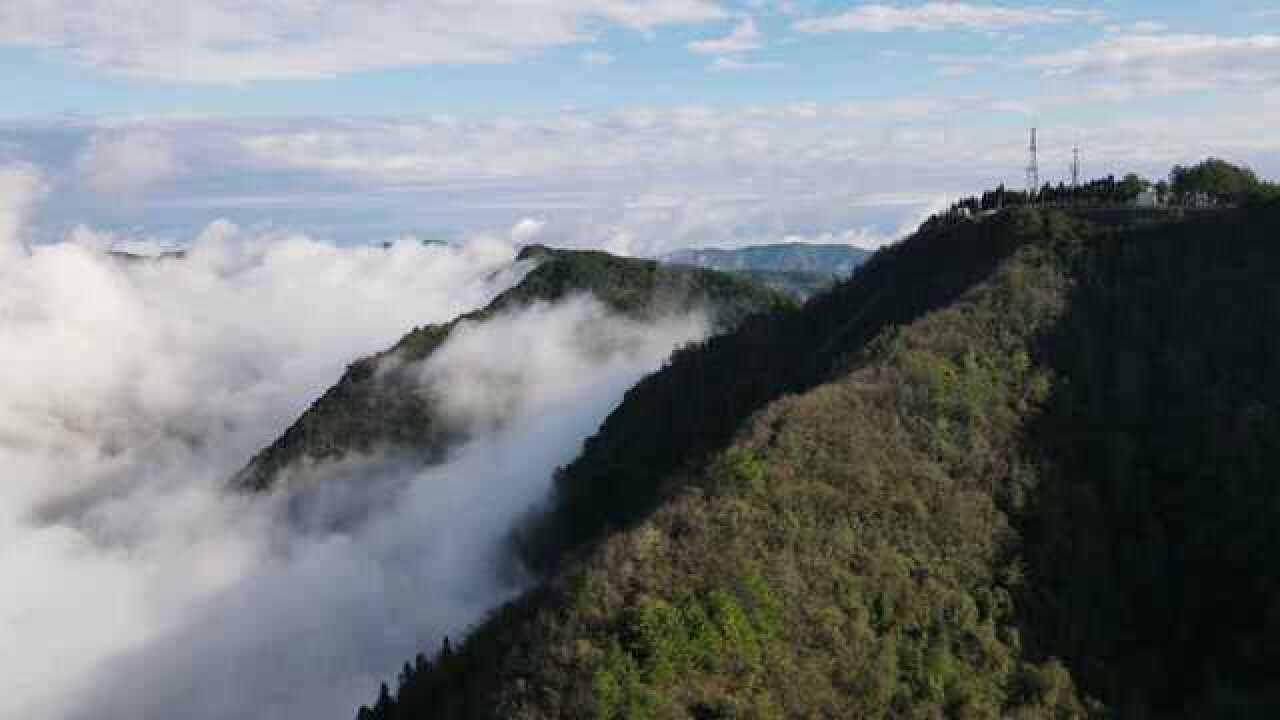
x=1075 y=168
x=1033 y=170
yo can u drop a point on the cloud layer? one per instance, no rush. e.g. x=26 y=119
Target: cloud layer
x=940 y=16
x=230 y=41
x=640 y=180
x=744 y=37
x=19 y=186
x=125 y=164
x=1124 y=66
x=137 y=587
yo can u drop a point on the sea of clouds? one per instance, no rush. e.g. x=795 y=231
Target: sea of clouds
x=137 y=586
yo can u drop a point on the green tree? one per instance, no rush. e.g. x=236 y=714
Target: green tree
x=1132 y=186
x=1218 y=179
x=382 y=708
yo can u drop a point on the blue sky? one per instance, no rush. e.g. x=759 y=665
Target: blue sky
x=805 y=118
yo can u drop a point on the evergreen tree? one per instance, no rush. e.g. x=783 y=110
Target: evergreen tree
x=383 y=707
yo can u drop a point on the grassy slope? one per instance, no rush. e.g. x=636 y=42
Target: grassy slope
x=1000 y=444
x=368 y=409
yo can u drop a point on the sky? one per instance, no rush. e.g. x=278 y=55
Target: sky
x=639 y=126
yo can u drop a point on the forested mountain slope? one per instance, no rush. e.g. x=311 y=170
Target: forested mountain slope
x=378 y=402
x=799 y=284
x=801 y=270
x=1021 y=467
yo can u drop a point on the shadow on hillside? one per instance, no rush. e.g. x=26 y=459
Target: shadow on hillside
x=1151 y=542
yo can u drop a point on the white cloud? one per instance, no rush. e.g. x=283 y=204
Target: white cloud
x=631 y=141
x=940 y=16
x=559 y=346
x=229 y=41
x=126 y=164
x=310 y=627
x=1141 y=27
x=873 y=238
x=1135 y=65
x=744 y=37
x=20 y=186
x=137 y=587
x=643 y=179
x=144 y=385
x=526 y=231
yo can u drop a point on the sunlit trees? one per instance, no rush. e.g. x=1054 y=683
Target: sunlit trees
x=1212 y=183
x=1217 y=181
x=1000 y=443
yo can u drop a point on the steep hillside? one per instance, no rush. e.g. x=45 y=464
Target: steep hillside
x=378 y=403
x=800 y=284
x=1016 y=468
x=718 y=385
x=781 y=257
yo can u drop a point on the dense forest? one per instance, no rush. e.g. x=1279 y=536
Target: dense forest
x=376 y=403
x=799 y=284
x=1011 y=468
x=1213 y=183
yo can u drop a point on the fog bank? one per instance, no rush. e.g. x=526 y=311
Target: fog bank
x=133 y=389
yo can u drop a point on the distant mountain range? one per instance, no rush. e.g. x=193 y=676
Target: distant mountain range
x=779 y=257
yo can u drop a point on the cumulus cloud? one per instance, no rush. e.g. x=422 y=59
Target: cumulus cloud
x=753 y=173
x=744 y=37
x=675 y=218
x=134 y=389
x=940 y=16
x=19 y=187
x=526 y=230
x=227 y=41
x=640 y=180
x=869 y=238
x=138 y=587
x=689 y=141
x=563 y=349
x=960 y=65
x=1123 y=66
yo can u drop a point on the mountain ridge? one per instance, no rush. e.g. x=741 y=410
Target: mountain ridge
x=937 y=496
x=376 y=403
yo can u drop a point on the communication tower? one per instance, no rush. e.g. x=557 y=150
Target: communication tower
x=1075 y=168
x=1033 y=170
